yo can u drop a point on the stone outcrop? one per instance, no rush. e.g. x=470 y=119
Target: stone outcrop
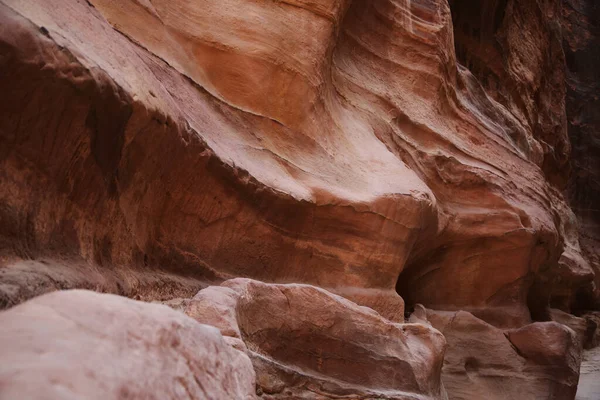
x=514 y=49
x=84 y=345
x=581 y=43
x=392 y=152
x=162 y=154
x=538 y=361
x=307 y=343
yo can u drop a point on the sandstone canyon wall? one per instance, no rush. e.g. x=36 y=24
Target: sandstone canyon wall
x=362 y=162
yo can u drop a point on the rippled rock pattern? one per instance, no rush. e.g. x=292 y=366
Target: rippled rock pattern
x=392 y=152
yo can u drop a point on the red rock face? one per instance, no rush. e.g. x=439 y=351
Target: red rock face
x=581 y=22
x=387 y=151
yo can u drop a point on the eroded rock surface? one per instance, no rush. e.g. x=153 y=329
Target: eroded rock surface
x=538 y=361
x=163 y=151
x=84 y=345
x=388 y=151
x=581 y=38
x=306 y=343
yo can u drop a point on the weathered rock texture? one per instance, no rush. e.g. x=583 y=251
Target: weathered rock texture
x=538 y=361
x=84 y=345
x=581 y=30
x=388 y=151
x=307 y=343
x=367 y=153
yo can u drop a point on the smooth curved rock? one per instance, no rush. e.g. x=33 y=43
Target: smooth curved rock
x=369 y=155
x=307 y=343
x=386 y=151
x=538 y=361
x=83 y=345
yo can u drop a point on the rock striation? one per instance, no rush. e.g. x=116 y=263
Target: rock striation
x=163 y=164
x=391 y=152
x=581 y=38
x=305 y=342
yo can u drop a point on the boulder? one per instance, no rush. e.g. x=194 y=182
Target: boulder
x=537 y=361
x=308 y=343
x=83 y=345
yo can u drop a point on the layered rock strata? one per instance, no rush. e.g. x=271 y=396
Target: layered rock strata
x=581 y=42
x=388 y=151
x=164 y=154
x=307 y=343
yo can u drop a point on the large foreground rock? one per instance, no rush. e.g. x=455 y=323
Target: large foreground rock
x=152 y=148
x=307 y=343
x=228 y=142
x=84 y=345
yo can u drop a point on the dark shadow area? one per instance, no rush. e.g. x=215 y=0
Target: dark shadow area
x=476 y=26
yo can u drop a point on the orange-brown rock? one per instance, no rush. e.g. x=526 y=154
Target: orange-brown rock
x=162 y=154
x=386 y=151
x=306 y=343
x=84 y=345
x=538 y=361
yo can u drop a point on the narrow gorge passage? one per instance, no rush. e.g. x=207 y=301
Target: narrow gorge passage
x=299 y=199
